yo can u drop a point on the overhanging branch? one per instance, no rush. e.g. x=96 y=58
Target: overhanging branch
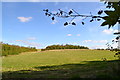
x=71 y=14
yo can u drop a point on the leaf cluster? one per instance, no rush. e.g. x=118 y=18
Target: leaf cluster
x=71 y=14
x=113 y=16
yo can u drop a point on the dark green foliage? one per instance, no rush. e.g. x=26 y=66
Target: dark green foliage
x=100 y=12
x=65 y=24
x=83 y=23
x=53 y=18
x=42 y=49
x=73 y=23
x=14 y=49
x=112 y=15
x=70 y=12
x=100 y=49
x=67 y=46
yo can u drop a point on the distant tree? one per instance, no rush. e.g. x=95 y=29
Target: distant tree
x=67 y=46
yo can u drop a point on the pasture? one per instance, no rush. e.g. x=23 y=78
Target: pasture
x=59 y=64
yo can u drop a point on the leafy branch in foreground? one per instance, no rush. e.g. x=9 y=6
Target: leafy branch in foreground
x=72 y=14
x=110 y=47
x=111 y=19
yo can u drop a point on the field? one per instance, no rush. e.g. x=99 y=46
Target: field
x=59 y=64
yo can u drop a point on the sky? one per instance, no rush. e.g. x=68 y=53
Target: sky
x=50 y=0
x=57 y=0
x=25 y=24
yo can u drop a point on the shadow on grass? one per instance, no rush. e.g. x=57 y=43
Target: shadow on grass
x=91 y=69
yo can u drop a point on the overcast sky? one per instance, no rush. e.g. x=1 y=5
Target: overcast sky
x=25 y=24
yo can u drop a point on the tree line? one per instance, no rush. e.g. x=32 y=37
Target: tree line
x=14 y=49
x=67 y=46
x=115 y=49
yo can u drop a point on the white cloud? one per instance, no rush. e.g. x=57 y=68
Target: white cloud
x=54 y=22
x=116 y=31
x=78 y=34
x=69 y=34
x=74 y=43
x=29 y=43
x=101 y=41
x=86 y=41
x=24 y=19
x=95 y=41
x=31 y=38
x=109 y=31
x=98 y=46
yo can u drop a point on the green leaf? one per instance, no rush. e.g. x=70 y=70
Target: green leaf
x=109 y=26
x=105 y=17
x=109 y=12
x=53 y=18
x=73 y=23
x=115 y=5
x=110 y=20
x=104 y=23
x=66 y=23
x=83 y=23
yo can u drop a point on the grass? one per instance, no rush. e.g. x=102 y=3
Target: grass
x=58 y=64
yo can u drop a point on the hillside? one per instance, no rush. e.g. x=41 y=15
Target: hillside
x=60 y=64
x=15 y=49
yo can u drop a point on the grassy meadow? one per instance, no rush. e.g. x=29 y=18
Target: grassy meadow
x=59 y=64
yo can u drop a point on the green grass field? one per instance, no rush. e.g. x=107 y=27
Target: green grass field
x=58 y=64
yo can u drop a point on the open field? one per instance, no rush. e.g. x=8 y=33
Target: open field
x=59 y=64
